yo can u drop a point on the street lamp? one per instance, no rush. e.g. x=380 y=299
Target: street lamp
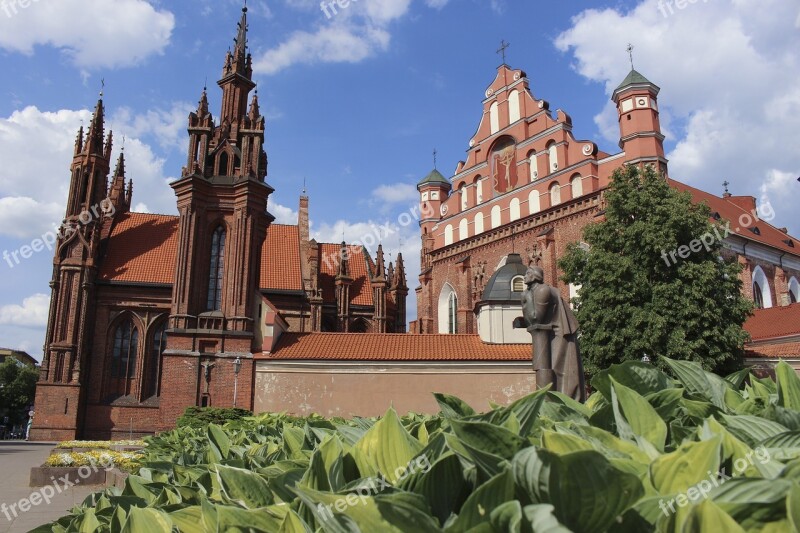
x=237 y=367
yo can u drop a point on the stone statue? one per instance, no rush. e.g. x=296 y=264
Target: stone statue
x=554 y=331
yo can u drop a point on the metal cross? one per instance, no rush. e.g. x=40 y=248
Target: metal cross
x=502 y=50
x=630 y=53
x=435 y=153
x=725 y=184
x=102 y=86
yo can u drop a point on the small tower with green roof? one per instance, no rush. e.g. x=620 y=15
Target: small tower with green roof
x=636 y=99
x=434 y=189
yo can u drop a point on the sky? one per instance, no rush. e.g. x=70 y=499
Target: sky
x=358 y=97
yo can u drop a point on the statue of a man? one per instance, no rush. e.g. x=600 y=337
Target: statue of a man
x=554 y=331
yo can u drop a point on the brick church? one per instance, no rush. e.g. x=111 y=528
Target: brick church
x=220 y=307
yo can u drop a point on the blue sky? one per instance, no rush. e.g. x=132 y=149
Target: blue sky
x=356 y=103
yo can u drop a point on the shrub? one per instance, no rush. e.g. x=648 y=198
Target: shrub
x=200 y=417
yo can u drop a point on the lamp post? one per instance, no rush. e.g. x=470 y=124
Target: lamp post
x=237 y=367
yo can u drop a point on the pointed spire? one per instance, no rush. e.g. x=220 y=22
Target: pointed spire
x=255 y=111
x=109 y=144
x=344 y=263
x=380 y=267
x=79 y=141
x=120 y=170
x=202 y=105
x=94 y=137
x=399 y=281
x=390 y=275
x=240 y=50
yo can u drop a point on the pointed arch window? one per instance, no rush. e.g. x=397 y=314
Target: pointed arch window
x=448 y=310
x=452 y=314
x=216 y=270
x=126 y=342
x=153 y=367
x=223 y=164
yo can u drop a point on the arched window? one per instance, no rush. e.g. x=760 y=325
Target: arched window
x=153 y=367
x=463 y=229
x=464 y=196
x=496 y=221
x=478 y=223
x=448 y=310
x=216 y=270
x=494 y=117
x=577 y=185
x=223 y=164
x=534 y=168
x=794 y=291
x=518 y=284
x=478 y=190
x=552 y=156
x=123 y=357
x=448 y=235
x=514 y=210
x=761 y=293
x=555 y=194
x=360 y=325
x=533 y=202
x=513 y=107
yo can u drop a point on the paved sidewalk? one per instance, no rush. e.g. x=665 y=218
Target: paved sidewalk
x=16 y=460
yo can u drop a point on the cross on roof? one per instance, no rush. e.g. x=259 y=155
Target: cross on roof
x=502 y=50
x=435 y=153
x=102 y=86
x=629 y=49
x=725 y=184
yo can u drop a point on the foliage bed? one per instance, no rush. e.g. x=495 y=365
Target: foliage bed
x=544 y=463
x=99 y=444
x=128 y=461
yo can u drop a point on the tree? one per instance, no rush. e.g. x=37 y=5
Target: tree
x=635 y=300
x=17 y=389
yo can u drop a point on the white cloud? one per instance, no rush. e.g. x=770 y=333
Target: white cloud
x=396 y=193
x=167 y=126
x=25 y=217
x=92 y=33
x=283 y=214
x=436 y=4
x=728 y=72
x=32 y=313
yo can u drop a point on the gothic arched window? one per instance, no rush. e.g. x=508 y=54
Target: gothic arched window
x=153 y=368
x=123 y=358
x=448 y=310
x=216 y=270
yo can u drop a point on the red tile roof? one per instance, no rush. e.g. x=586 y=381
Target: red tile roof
x=775 y=322
x=360 y=267
x=393 y=347
x=775 y=351
x=141 y=248
x=734 y=209
x=280 y=259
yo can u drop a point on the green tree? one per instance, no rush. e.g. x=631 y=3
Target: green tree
x=17 y=389
x=634 y=300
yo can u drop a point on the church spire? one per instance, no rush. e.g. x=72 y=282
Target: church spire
x=116 y=193
x=79 y=141
x=237 y=76
x=380 y=268
x=94 y=137
x=202 y=105
x=255 y=111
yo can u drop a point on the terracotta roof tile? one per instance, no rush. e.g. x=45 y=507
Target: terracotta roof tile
x=280 y=259
x=774 y=322
x=141 y=248
x=731 y=209
x=360 y=266
x=775 y=351
x=393 y=347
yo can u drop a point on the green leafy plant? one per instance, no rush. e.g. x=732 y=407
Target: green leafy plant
x=676 y=451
